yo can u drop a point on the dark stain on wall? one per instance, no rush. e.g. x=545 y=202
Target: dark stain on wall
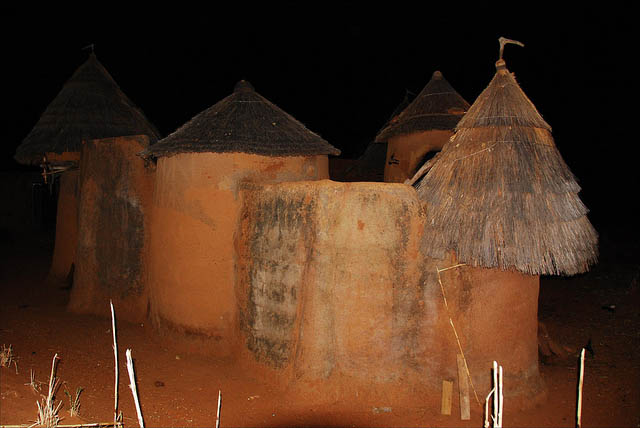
x=279 y=231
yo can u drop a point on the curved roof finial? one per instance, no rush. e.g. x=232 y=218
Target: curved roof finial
x=503 y=41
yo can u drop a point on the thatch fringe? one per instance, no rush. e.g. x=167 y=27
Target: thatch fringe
x=243 y=122
x=500 y=195
x=89 y=106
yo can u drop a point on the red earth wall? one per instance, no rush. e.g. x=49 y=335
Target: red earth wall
x=113 y=227
x=406 y=152
x=196 y=209
x=333 y=292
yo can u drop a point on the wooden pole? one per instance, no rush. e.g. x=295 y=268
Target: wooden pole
x=580 y=381
x=447 y=392
x=495 y=395
x=115 y=354
x=134 y=390
x=463 y=389
x=500 y=397
x=218 y=412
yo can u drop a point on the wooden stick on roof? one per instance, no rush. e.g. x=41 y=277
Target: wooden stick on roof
x=503 y=41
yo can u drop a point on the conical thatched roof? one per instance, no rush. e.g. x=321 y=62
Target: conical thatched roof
x=500 y=195
x=243 y=122
x=89 y=106
x=437 y=106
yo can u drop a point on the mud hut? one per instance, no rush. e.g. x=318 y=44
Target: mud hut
x=242 y=138
x=90 y=105
x=116 y=188
x=423 y=127
x=502 y=208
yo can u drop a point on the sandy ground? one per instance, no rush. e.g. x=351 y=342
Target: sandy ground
x=178 y=388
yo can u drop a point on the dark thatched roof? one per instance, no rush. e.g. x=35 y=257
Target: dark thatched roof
x=89 y=106
x=243 y=122
x=500 y=195
x=437 y=106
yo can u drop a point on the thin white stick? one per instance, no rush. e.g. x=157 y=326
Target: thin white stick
x=115 y=354
x=132 y=385
x=500 y=396
x=486 y=408
x=579 y=410
x=218 y=414
x=495 y=395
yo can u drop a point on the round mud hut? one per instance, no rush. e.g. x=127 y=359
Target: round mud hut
x=502 y=208
x=196 y=207
x=421 y=128
x=90 y=105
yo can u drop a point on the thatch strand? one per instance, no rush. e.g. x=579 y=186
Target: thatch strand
x=437 y=106
x=243 y=122
x=501 y=196
x=90 y=105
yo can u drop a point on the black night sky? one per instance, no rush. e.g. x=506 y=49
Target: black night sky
x=342 y=69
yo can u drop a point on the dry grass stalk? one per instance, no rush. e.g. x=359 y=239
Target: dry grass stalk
x=74 y=402
x=7 y=357
x=134 y=390
x=580 y=381
x=33 y=383
x=455 y=332
x=47 y=410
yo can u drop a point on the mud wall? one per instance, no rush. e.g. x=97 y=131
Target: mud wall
x=113 y=226
x=191 y=255
x=64 y=251
x=329 y=278
x=331 y=284
x=405 y=153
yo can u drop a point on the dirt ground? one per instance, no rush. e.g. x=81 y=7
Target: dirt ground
x=600 y=310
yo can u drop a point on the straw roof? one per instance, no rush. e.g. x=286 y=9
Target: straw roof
x=499 y=193
x=243 y=122
x=437 y=106
x=89 y=106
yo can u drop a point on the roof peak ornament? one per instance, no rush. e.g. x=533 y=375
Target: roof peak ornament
x=504 y=41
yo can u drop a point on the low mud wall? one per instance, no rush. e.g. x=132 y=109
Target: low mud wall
x=333 y=291
x=329 y=277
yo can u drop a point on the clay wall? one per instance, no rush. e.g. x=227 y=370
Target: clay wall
x=331 y=285
x=196 y=208
x=113 y=226
x=405 y=153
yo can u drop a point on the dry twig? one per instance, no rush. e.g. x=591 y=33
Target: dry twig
x=47 y=409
